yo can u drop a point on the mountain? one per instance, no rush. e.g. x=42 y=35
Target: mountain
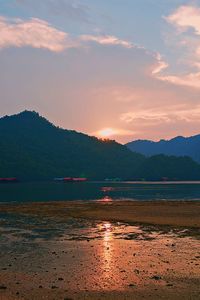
x=32 y=148
x=159 y=167
x=178 y=146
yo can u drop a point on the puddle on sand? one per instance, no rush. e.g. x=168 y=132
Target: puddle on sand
x=14 y=227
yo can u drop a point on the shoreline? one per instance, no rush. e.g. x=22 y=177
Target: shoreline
x=112 y=181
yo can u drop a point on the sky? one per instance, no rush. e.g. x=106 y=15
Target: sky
x=118 y=69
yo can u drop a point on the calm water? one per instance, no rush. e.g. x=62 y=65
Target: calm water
x=53 y=191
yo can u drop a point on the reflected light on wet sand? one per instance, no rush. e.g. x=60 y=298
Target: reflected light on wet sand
x=107 y=248
x=108 y=232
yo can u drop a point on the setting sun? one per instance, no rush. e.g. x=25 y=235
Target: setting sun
x=106 y=132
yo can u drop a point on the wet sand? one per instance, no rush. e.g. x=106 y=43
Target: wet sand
x=101 y=250
x=174 y=213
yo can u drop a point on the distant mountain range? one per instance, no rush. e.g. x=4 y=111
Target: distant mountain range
x=178 y=146
x=32 y=148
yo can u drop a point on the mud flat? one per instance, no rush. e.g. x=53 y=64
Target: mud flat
x=100 y=250
x=175 y=213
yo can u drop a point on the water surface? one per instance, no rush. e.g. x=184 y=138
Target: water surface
x=53 y=191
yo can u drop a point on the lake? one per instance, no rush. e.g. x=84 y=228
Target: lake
x=54 y=191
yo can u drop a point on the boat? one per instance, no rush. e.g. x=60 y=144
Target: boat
x=8 y=179
x=70 y=179
x=77 y=179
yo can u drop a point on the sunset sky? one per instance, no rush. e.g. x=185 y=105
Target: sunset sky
x=122 y=69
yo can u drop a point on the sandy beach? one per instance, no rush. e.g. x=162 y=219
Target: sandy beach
x=100 y=250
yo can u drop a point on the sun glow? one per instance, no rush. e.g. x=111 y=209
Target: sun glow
x=106 y=132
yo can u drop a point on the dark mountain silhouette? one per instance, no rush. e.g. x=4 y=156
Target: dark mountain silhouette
x=178 y=146
x=159 y=167
x=31 y=148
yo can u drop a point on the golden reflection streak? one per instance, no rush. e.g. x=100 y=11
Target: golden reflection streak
x=107 y=228
x=106 y=199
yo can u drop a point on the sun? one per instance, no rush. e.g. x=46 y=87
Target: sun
x=106 y=132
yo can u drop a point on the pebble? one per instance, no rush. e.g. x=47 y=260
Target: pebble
x=156 y=277
x=3 y=287
x=131 y=285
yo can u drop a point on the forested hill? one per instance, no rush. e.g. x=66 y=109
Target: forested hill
x=178 y=146
x=31 y=148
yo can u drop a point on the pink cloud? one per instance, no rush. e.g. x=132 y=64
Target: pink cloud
x=34 y=33
x=190 y=80
x=157 y=117
x=132 y=91
x=187 y=42
x=160 y=64
x=186 y=17
x=106 y=40
x=38 y=33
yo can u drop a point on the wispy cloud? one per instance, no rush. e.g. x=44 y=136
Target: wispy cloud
x=106 y=40
x=160 y=64
x=38 y=33
x=186 y=20
x=122 y=86
x=157 y=116
x=190 y=80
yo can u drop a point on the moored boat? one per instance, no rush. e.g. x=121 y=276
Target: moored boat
x=70 y=179
x=8 y=179
x=77 y=179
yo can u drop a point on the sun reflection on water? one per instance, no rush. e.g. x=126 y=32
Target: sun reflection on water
x=106 y=199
